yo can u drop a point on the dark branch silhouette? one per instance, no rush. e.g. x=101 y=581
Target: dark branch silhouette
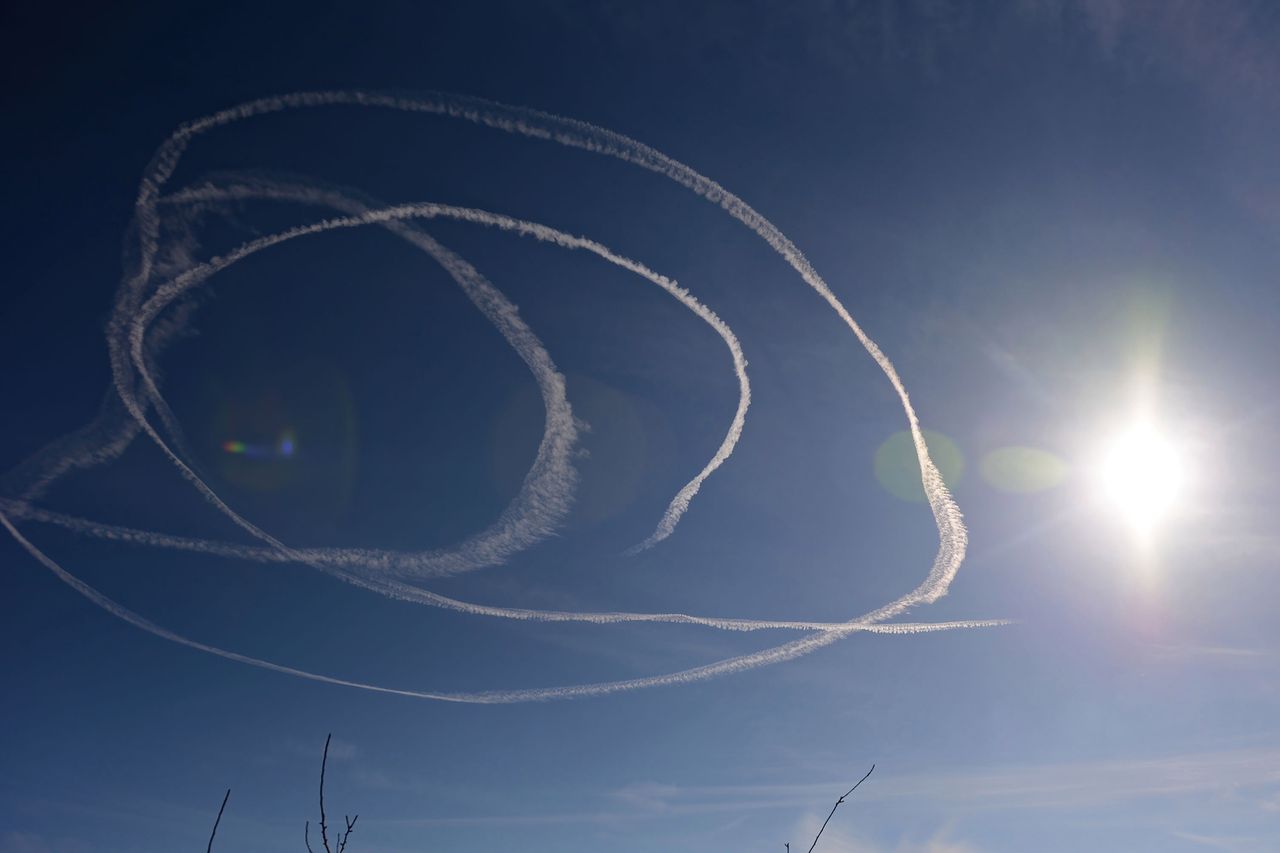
x=351 y=824
x=343 y=837
x=324 y=761
x=833 y=810
x=209 y=849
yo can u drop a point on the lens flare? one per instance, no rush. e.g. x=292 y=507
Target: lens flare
x=284 y=448
x=1023 y=470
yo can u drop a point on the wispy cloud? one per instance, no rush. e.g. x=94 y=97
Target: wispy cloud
x=1230 y=843
x=836 y=840
x=1249 y=776
x=1217 y=655
x=33 y=842
x=1217 y=43
x=339 y=750
x=1054 y=786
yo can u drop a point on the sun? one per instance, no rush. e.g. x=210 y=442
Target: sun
x=1142 y=476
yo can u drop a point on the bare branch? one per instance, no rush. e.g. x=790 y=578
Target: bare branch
x=833 y=809
x=324 y=829
x=209 y=849
x=342 y=837
x=346 y=836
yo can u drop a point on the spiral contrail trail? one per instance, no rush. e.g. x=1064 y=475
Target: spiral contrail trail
x=140 y=327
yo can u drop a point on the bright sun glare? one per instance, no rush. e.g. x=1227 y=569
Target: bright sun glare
x=1142 y=476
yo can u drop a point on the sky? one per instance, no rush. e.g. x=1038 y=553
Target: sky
x=271 y=383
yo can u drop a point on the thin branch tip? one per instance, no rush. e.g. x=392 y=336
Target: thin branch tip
x=343 y=836
x=836 y=806
x=209 y=849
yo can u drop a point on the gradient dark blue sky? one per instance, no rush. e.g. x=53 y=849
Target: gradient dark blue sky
x=1034 y=208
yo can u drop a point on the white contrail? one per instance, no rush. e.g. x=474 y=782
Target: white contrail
x=497 y=697
x=102 y=440
x=389 y=563
x=342 y=200
x=417 y=595
x=347 y=563
x=495 y=115
x=545 y=495
x=579 y=134
x=147 y=294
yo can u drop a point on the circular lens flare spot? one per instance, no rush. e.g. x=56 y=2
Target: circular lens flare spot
x=1023 y=470
x=898 y=469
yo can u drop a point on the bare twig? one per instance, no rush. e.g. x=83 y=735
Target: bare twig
x=209 y=849
x=324 y=829
x=351 y=824
x=836 y=806
x=343 y=837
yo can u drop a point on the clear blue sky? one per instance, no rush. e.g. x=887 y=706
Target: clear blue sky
x=1048 y=214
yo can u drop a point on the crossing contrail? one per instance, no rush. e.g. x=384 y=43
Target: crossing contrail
x=417 y=595
x=154 y=303
x=554 y=495
x=778 y=654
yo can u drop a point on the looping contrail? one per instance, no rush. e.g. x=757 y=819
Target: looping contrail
x=154 y=304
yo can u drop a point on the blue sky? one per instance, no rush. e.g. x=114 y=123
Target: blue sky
x=1050 y=215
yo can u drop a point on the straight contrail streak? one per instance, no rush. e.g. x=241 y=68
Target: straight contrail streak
x=140 y=327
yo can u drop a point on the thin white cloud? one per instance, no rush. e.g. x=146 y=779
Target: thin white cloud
x=1046 y=786
x=1230 y=843
x=1210 y=654
x=837 y=839
x=17 y=841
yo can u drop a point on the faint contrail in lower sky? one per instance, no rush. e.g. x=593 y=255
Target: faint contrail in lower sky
x=150 y=308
